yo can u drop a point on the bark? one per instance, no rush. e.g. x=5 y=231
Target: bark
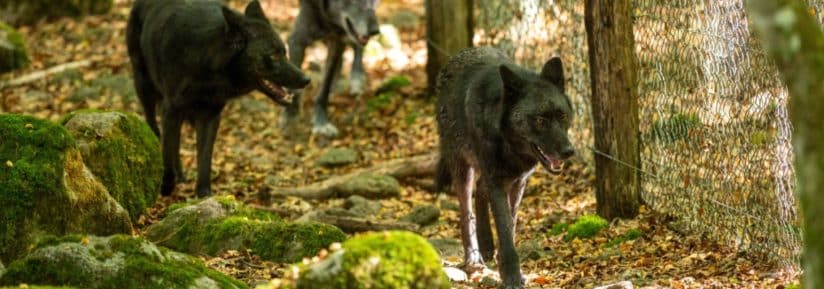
x=417 y=166
x=448 y=30
x=614 y=106
x=795 y=41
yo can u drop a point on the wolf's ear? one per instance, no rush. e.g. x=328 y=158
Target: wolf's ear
x=512 y=81
x=234 y=33
x=553 y=72
x=254 y=10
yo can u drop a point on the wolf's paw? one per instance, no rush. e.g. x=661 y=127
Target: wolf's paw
x=472 y=267
x=326 y=130
x=357 y=84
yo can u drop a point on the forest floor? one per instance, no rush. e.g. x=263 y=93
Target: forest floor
x=252 y=156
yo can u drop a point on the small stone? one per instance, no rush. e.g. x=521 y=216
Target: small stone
x=361 y=206
x=448 y=248
x=423 y=215
x=530 y=249
x=338 y=157
x=619 y=285
x=369 y=186
x=455 y=274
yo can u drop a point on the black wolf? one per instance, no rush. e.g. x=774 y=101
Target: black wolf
x=497 y=120
x=192 y=56
x=338 y=23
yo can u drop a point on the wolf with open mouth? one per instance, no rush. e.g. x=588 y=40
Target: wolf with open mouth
x=497 y=121
x=190 y=57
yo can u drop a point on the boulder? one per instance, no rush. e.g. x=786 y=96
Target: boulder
x=13 y=53
x=30 y=11
x=123 y=152
x=117 y=261
x=219 y=224
x=361 y=206
x=46 y=189
x=392 y=259
x=369 y=186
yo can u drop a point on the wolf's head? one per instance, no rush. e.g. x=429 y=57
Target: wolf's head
x=538 y=113
x=356 y=17
x=261 y=56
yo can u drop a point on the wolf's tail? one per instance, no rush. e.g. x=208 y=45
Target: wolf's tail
x=442 y=176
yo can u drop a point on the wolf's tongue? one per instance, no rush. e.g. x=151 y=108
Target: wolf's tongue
x=557 y=165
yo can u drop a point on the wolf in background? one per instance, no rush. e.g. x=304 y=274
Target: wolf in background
x=338 y=23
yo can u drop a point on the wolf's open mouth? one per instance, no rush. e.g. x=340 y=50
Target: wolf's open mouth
x=362 y=40
x=553 y=165
x=275 y=92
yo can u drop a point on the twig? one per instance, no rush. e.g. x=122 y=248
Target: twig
x=43 y=73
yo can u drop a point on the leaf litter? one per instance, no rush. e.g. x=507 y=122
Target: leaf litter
x=252 y=156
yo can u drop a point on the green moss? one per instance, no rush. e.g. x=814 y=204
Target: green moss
x=290 y=242
x=262 y=232
x=31 y=171
x=13 y=57
x=557 y=229
x=120 y=262
x=37 y=287
x=385 y=260
x=792 y=286
x=585 y=227
x=676 y=127
x=126 y=157
x=759 y=138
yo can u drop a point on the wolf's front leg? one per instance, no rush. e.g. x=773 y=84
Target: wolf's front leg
x=320 y=120
x=463 y=184
x=297 y=49
x=172 y=168
x=206 y=126
x=357 y=78
x=508 y=262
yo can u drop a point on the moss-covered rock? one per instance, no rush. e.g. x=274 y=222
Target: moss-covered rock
x=36 y=287
x=423 y=215
x=338 y=157
x=46 y=189
x=123 y=152
x=219 y=224
x=118 y=261
x=393 y=259
x=30 y=11
x=13 y=53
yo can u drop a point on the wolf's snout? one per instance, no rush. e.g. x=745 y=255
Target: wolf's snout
x=304 y=81
x=567 y=152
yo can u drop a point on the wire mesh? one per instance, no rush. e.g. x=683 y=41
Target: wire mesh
x=715 y=133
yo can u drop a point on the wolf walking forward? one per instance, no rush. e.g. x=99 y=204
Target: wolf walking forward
x=496 y=121
x=192 y=56
x=339 y=23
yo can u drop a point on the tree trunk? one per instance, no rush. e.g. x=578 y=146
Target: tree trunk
x=794 y=40
x=448 y=30
x=614 y=106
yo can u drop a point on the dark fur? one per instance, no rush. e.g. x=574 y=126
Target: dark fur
x=192 y=56
x=338 y=23
x=497 y=121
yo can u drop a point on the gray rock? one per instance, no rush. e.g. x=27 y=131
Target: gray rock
x=448 y=247
x=83 y=93
x=98 y=262
x=13 y=54
x=455 y=274
x=423 y=215
x=530 y=249
x=338 y=157
x=369 y=186
x=361 y=206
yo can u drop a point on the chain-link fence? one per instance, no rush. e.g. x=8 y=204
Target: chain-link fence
x=715 y=134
